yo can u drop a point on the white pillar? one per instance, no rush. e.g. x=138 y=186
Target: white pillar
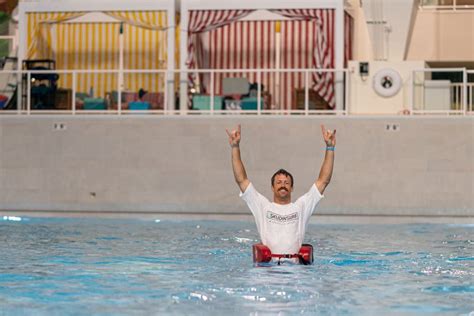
x=339 y=55
x=22 y=50
x=120 y=66
x=121 y=62
x=183 y=77
x=171 y=58
x=277 y=67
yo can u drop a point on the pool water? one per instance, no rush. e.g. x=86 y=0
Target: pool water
x=132 y=267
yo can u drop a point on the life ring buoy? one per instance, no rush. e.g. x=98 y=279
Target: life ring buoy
x=387 y=82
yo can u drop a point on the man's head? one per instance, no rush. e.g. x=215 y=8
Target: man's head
x=282 y=186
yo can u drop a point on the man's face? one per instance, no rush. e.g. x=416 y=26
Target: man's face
x=282 y=186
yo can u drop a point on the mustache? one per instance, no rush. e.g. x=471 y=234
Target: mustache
x=283 y=188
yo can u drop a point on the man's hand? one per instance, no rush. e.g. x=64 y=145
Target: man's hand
x=326 y=169
x=234 y=136
x=237 y=165
x=329 y=136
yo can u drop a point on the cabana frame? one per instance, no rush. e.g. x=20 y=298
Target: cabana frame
x=337 y=5
x=100 y=6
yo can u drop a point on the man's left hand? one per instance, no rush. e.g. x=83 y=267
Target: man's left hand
x=329 y=136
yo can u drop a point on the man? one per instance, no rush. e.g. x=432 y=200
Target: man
x=282 y=224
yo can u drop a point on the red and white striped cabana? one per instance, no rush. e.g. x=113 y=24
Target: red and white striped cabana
x=229 y=35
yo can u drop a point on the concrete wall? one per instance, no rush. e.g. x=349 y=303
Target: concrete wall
x=182 y=164
x=389 y=39
x=442 y=36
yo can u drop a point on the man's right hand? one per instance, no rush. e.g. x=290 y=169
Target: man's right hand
x=234 y=136
x=237 y=165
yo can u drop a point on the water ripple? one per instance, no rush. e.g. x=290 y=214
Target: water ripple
x=104 y=267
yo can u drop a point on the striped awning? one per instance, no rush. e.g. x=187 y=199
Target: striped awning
x=307 y=41
x=95 y=45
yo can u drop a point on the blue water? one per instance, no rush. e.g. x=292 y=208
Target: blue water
x=131 y=267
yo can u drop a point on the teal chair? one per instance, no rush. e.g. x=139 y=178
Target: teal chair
x=203 y=102
x=94 y=104
x=139 y=105
x=250 y=103
x=81 y=95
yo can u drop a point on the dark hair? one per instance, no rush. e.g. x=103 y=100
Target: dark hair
x=141 y=93
x=283 y=172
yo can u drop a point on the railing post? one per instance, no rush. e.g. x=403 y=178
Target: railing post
x=119 y=92
x=28 y=93
x=306 y=92
x=470 y=102
x=459 y=97
x=346 y=93
x=74 y=82
x=19 y=89
x=413 y=87
x=165 y=93
x=259 y=92
x=455 y=98
x=464 y=90
x=211 y=92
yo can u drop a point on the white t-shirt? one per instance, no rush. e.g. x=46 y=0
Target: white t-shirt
x=281 y=227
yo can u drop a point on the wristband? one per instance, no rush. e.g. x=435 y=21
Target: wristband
x=330 y=148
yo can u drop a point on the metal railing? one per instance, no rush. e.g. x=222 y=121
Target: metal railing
x=284 y=92
x=470 y=91
x=447 y=5
x=206 y=83
x=26 y=83
x=457 y=94
x=285 y=100
x=442 y=96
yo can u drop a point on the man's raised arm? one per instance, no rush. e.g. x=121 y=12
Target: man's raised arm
x=326 y=169
x=237 y=166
